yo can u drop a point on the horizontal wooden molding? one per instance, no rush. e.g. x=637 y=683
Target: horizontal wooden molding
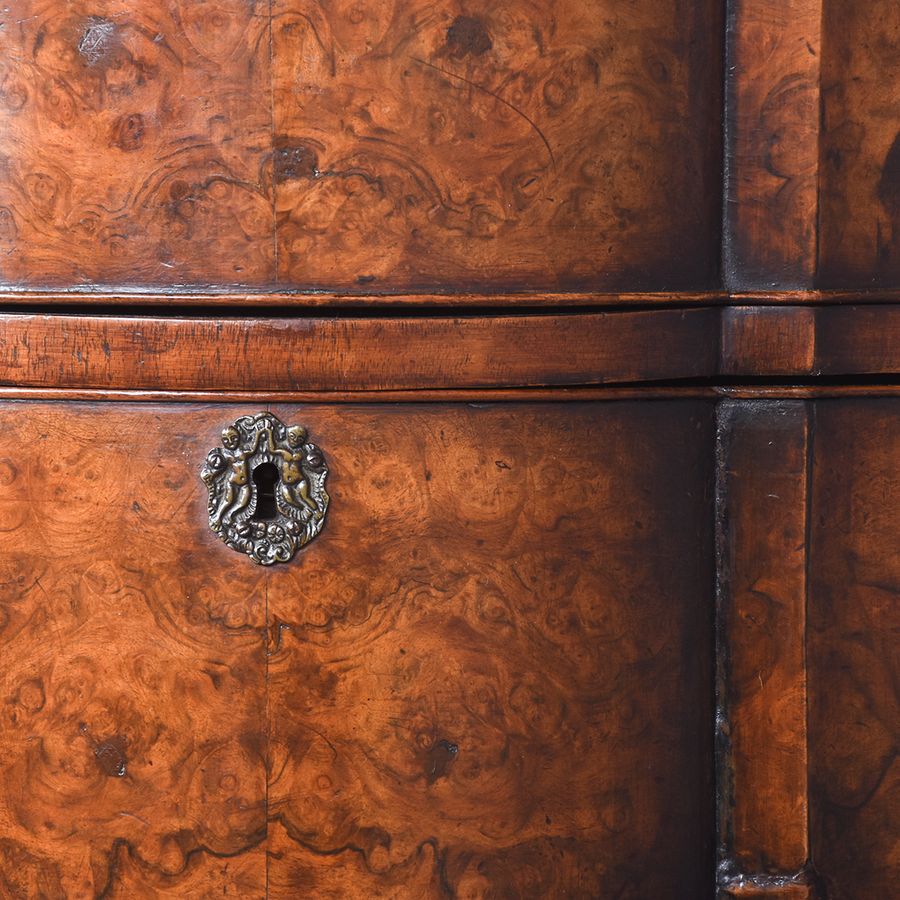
x=778 y=890
x=830 y=341
x=497 y=352
x=298 y=301
x=301 y=300
x=341 y=354
x=472 y=396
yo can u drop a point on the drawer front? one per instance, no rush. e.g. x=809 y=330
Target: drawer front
x=852 y=648
x=401 y=147
x=489 y=675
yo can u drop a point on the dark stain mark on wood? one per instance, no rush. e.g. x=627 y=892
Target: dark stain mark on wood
x=109 y=753
x=468 y=35
x=889 y=183
x=128 y=132
x=438 y=758
x=295 y=160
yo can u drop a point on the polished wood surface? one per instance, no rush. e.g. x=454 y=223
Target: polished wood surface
x=774 y=341
x=443 y=696
x=772 y=144
x=854 y=619
x=543 y=144
x=769 y=892
x=763 y=450
x=833 y=341
x=134 y=140
x=375 y=353
x=367 y=147
x=588 y=305
x=220 y=299
x=132 y=670
x=429 y=151
x=504 y=606
x=344 y=353
x=812 y=148
x=860 y=151
x=503 y=395
x=808 y=530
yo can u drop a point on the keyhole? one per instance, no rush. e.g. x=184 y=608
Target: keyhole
x=265 y=477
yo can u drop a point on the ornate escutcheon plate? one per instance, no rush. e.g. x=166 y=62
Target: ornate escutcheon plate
x=266 y=488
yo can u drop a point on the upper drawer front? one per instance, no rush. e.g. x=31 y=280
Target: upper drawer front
x=489 y=674
x=381 y=147
x=859 y=177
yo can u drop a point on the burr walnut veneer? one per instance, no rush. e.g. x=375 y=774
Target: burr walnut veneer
x=449 y=449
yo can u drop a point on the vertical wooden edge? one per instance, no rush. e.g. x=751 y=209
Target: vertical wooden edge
x=772 y=123
x=762 y=491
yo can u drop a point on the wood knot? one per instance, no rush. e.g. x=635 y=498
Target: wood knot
x=437 y=759
x=128 y=132
x=110 y=753
x=468 y=35
x=293 y=161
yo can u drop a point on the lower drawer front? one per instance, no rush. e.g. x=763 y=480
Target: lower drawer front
x=852 y=649
x=489 y=676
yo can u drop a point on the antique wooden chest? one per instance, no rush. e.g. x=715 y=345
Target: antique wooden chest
x=449 y=449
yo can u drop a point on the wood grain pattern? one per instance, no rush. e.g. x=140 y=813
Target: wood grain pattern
x=133 y=142
x=437 y=353
x=860 y=151
x=854 y=666
x=859 y=296
x=275 y=300
x=356 y=353
x=490 y=675
x=763 y=448
x=541 y=144
x=506 y=601
x=770 y=892
x=392 y=145
x=768 y=340
x=772 y=127
x=506 y=395
x=851 y=339
x=837 y=340
x=132 y=745
x=223 y=298
x=509 y=395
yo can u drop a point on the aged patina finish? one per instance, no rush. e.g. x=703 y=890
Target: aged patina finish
x=595 y=310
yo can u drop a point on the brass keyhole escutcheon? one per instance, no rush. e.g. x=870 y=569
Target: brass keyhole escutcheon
x=266 y=486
